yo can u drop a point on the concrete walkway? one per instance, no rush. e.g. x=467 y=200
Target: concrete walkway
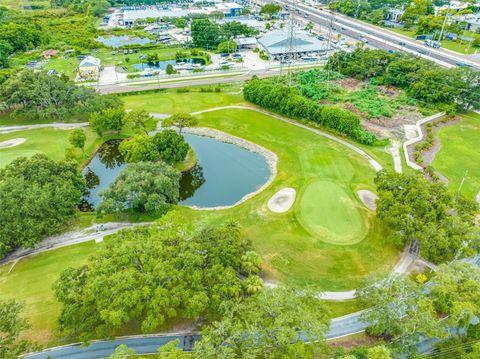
x=59 y=126
x=70 y=238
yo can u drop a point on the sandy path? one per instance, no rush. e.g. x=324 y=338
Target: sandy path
x=12 y=143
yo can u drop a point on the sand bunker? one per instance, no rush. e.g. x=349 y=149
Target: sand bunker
x=12 y=143
x=478 y=198
x=282 y=200
x=368 y=198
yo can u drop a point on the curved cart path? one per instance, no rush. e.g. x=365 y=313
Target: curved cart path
x=60 y=126
x=377 y=166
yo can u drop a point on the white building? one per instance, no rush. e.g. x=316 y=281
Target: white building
x=278 y=45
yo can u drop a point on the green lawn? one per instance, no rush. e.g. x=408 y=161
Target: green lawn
x=31 y=280
x=459 y=153
x=172 y=101
x=327 y=211
x=50 y=141
x=291 y=253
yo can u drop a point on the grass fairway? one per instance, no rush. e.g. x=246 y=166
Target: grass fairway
x=50 y=141
x=290 y=252
x=31 y=280
x=171 y=101
x=330 y=214
x=459 y=153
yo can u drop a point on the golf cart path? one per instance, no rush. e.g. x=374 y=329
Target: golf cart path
x=59 y=126
x=70 y=238
x=377 y=166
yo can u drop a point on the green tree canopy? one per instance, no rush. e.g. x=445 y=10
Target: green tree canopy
x=38 y=196
x=455 y=291
x=270 y=9
x=140 y=121
x=38 y=95
x=171 y=146
x=418 y=209
x=268 y=325
x=139 y=148
x=77 y=138
x=143 y=187
x=227 y=46
x=180 y=120
x=11 y=326
x=400 y=312
x=110 y=119
x=151 y=274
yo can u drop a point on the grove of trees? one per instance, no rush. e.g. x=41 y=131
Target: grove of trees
x=38 y=197
x=275 y=95
x=447 y=307
x=438 y=88
x=12 y=324
x=37 y=95
x=148 y=275
x=416 y=209
x=167 y=145
x=271 y=324
x=142 y=187
x=208 y=34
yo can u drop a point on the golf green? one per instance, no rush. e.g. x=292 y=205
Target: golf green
x=327 y=212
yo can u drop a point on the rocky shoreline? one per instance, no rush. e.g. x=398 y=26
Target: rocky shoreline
x=271 y=157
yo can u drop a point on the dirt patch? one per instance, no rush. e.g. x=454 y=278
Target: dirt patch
x=393 y=127
x=282 y=201
x=368 y=198
x=350 y=84
x=12 y=143
x=353 y=341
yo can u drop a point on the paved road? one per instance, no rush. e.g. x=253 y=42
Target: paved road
x=113 y=88
x=383 y=38
x=339 y=327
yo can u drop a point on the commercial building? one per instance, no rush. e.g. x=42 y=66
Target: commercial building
x=278 y=45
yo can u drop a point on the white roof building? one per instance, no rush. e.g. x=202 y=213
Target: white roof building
x=90 y=61
x=277 y=44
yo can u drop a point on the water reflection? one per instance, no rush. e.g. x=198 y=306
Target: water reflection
x=191 y=181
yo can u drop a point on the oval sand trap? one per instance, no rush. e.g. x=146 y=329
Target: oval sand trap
x=368 y=198
x=12 y=143
x=478 y=198
x=329 y=213
x=282 y=201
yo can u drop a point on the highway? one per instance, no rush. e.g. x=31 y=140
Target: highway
x=382 y=38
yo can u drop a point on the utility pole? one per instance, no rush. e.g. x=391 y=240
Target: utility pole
x=444 y=22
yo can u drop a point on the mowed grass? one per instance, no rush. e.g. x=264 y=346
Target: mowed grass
x=327 y=211
x=30 y=281
x=459 y=153
x=49 y=141
x=291 y=253
x=172 y=101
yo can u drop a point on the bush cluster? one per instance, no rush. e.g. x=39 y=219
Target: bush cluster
x=278 y=97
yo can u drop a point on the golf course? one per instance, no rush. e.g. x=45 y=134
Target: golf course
x=327 y=240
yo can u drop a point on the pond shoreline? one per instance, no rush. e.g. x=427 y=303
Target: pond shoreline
x=270 y=157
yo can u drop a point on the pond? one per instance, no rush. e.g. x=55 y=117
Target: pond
x=162 y=65
x=124 y=40
x=223 y=175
